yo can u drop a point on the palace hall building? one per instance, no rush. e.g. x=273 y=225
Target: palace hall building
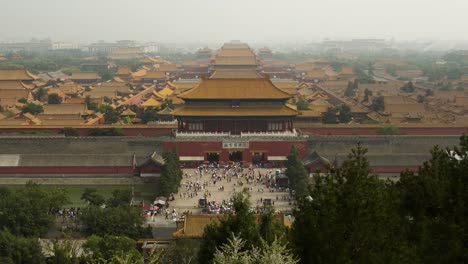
x=236 y=107
x=235 y=119
x=235 y=115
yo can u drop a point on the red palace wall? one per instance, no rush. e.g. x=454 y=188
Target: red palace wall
x=270 y=148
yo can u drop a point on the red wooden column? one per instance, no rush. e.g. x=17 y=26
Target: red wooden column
x=246 y=155
x=224 y=155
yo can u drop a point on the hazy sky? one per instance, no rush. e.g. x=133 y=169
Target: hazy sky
x=221 y=20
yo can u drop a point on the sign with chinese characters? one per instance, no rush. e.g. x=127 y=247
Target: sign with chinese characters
x=235 y=145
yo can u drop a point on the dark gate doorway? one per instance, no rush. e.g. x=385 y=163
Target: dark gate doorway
x=212 y=157
x=235 y=156
x=257 y=158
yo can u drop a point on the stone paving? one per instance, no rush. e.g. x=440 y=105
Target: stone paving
x=187 y=200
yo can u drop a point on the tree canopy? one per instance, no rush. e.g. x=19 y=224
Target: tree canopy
x=111 y=115
x=243 y=224
x=433 y=204
x=117 y=218
x=330 y=117
x=54 y=99
x=32 y=108
x=28 y=211
x=90 y=104
x=171 y=174
x=348 y=218
x=297 y=174
x=378 y=103
x=408 y=87
x=150 y=114
x=99 y=132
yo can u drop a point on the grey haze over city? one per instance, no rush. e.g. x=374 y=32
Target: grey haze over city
x=248 y=20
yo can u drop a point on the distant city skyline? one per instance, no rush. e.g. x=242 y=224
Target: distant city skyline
x=213 y=21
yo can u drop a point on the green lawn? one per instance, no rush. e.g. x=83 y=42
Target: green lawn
x=146 y=192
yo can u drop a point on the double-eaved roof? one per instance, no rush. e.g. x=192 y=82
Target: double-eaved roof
x=232 y=88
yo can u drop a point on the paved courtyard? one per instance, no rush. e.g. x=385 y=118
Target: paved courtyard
x=218 y=185
x=221 y=184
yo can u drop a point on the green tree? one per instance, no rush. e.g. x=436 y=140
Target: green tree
x=408 y=87
x=40 y=93
x=388 y=130
x=349 y=217
x=329 y=117
x=112 y=249
x=182 y=251
x=171 y=174
x=107 y=100
x=65 y=251
x=297 y=174
x=421 y=98
x=167 y=103
x=22 y=100
x=17 y=249
x=70 y=132
x=345 y=115
x=107 y=74
x=378 y=103
x=124 y=221
x=350 y=91
x=302 y=105
x=232 y=253
x=117 y=218
x=120 y=197
x=433 y=205
x=112 y=132
x=111 y=115
x=242 y=224
x=32 y=108
x=90 y=104
x=27 y=211
x=356 y=84
x=92 y=197
x=367 y=93
x=54 y=99
x=150 y=114
x=68 y=72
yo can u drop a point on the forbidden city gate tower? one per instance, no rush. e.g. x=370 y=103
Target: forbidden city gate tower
x=235 y=119
x=239 y=106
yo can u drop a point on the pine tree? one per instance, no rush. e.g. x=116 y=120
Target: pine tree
x=349 y=90
x=241 y=224
x=433 y=203
x=350 y=217
x=171 y=174
x=297 y=174
x=345 y=115
x=329 y=117
x=356 y=84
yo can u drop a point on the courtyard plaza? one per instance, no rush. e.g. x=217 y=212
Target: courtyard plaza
x=217 y=184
